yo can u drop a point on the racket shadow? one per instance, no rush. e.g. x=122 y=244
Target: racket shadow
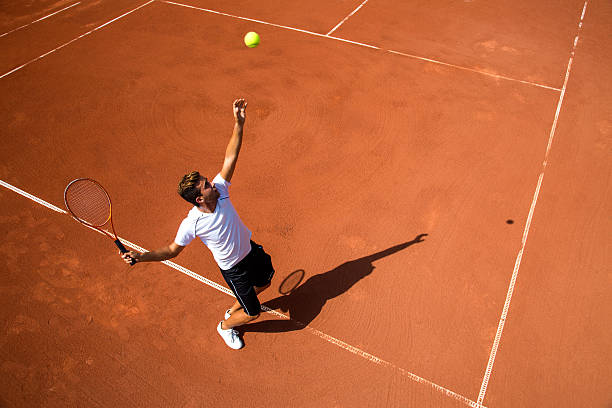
x=306 y=301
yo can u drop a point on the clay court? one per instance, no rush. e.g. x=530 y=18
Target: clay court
x=441 y=171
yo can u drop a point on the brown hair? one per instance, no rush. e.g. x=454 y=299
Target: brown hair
x=188 y=187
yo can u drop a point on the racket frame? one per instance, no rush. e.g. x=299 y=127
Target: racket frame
x=112 y=236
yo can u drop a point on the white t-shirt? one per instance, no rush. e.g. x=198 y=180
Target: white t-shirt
x=222 y=232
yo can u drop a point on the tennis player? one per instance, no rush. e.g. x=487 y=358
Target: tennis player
x=245 y=266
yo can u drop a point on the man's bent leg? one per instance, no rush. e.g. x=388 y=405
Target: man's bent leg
x=237 y=318
x=237 y=306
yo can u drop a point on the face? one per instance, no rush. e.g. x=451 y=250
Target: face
x=209 y=193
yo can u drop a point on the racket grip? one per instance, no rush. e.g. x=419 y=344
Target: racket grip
x=123 y=250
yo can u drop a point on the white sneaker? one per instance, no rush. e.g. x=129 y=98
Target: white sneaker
x=227 y=314
x=231 y=337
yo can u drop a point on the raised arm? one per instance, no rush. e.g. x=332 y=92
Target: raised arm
x=233 y=147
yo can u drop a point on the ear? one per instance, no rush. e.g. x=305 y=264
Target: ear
x=199 y=199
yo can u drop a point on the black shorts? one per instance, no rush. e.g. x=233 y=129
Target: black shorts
x=254 y=270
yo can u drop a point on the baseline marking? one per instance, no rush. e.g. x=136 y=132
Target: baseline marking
x=40 y=19
x=73 y=40
x=517 y=263
x=320 y=334
x=363 y=45
x=346 y=18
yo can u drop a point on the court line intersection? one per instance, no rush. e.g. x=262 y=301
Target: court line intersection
x=485 y=73
x=420 y=58
x=536 y=194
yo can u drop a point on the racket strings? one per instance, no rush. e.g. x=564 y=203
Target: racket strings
x=88 y=202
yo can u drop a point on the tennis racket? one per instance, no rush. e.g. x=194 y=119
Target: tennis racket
x=89 y=203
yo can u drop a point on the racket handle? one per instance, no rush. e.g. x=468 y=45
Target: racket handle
x=123 y=250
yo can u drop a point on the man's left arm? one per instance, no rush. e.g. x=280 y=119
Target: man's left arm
x=233 y=147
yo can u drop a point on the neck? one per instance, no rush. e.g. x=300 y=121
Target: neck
x=208 y=207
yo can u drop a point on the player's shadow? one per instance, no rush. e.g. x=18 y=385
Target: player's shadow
x=306 y=301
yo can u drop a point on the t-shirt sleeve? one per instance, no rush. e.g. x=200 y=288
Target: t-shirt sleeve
x=185 y=233
x=222 y=186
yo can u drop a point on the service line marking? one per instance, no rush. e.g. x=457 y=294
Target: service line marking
x=475 y=70
x=267 y=23
x=221 y=288
x=485 y=73
x=517 y=263
x=346 y=18
x=40 y=19
x=73 y=40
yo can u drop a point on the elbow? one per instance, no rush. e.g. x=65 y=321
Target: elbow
x=173 y=251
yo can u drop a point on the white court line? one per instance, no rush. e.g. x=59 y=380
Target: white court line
x=266 y=23
x=31 y=197
x=73 y=40
x=346 y=18
x=326 y=337
x=363 y=45
x=517 y=263
x=476 y=71
x=40 y=19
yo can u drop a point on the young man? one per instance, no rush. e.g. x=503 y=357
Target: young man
x=245 y=266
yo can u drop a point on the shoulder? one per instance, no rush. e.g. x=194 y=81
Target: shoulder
x=219 y=180
x=186 y=231
x=192 y=217
x=222 y=186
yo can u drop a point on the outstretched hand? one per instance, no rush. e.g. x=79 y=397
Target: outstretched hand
x=240 y=110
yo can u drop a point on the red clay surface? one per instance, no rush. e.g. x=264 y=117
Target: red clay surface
x=527 y=40
x=349 y=154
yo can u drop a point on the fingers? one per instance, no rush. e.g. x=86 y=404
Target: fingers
x=240 y=104
x=239 y=109
x=129 y=256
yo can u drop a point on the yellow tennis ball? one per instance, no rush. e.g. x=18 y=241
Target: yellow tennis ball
x=251 y=39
